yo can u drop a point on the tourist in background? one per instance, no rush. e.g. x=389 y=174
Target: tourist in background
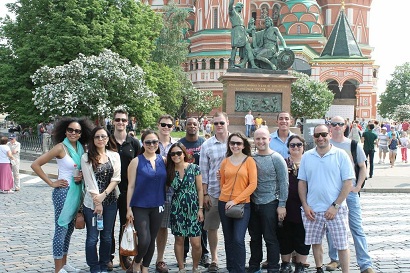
x=393 y=146
x=70 y=136
x=404 y=140
x=6 y=176
x=101 y=168
x=15 y=151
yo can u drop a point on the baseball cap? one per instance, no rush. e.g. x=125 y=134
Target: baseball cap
x=384 y=128
x=12 y=136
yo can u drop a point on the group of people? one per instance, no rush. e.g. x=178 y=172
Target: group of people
x=9 y=164
x=252 y=123
x=189 y=186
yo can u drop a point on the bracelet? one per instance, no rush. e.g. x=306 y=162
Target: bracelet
x=106 y=194
x=201 y=207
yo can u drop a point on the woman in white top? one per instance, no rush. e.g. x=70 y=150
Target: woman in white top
x=6 y=176
x=70 y=134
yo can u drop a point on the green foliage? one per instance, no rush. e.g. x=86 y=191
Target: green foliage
x=310 y=98
x=200 y=102
x=402 y=112
x=397 y=92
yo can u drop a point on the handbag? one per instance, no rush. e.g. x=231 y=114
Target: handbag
x=79 y=222
x=128 y=245
x=236 y=211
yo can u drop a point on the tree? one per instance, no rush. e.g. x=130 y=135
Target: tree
x=52 y=33
x=310 y=98
x=397 y=92
x=200 y=102
x=402 y=112
x=93 y=86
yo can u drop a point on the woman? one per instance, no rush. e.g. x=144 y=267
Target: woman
x=70 y=134
x=292 y=234
x=393 y=146
x=6 y=176
x=238 y=182
x=355 y=133
x=147 y=178
x=404 y=141
x=101 y=168
x=186 y=205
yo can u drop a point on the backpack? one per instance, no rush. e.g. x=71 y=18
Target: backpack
x=353 y=150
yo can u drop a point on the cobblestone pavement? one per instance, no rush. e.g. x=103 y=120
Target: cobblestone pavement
x=26 y=230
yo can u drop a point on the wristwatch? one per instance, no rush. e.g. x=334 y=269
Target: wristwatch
x=337 y=206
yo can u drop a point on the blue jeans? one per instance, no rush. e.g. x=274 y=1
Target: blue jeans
x=359 y=237
x=248 y=130
x=234 y=233
x=264 y=222
x=99 y=264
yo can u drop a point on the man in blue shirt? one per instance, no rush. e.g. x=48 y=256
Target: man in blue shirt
x=279 y=138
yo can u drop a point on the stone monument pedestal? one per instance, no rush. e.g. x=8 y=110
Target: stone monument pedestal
x=265 y=92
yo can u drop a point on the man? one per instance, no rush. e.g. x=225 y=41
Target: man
x=382 y=143
x=15 y=151
x=279 y=138
x=393 y=131
x=405 y=126
x=213 y=151
x=192 y=142
x=249 y=123
x=324 y=206
x=128 y=148
x=239 y=37
x=268 y=203
x=353 y=204
x=369 y=138
x=165 y=127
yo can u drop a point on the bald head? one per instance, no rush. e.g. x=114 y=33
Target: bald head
x=262 y=140
x=262 y=132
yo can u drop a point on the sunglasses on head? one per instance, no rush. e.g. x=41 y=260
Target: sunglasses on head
x=322 y=134
x=219 y=123
x=71 y=130
x=121 y=119
x=237 y=143
x=151 y=142
x=167 y=125
x=179 y=153
x=293 y=145
x=334 y=124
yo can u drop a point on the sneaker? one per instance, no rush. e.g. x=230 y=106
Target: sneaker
x=286 y=268
x=213 y=268
x=62 y=270
x=205 y=261
x=319 y=270
x=110 y=266
x=253 y=270
x=196 y=270
x=369 y=270
x=332 y=266
x=299 y=268
x=71 y=269
x=183 y=270
x=264 y=265
x=380 y=162
x=161 y=267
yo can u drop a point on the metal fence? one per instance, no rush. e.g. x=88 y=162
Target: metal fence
x=35 y=143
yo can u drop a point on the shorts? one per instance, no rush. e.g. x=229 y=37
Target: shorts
x=212 y=219
x=167 y=210
x=383 y=149
x=338 y=228
x=393 y=151
x=292 y=238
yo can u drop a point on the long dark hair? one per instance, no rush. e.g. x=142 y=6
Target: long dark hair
x=62 y=125
x=144 y=135
x=247 y=146
x=171 y=164
x=93 y=155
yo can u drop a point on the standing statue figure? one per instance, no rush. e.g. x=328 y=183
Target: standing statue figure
x=239 y=37
x=267 y=47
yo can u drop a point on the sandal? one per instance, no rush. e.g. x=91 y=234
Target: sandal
x=131 y=269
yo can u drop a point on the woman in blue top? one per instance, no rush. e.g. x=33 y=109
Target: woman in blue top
x=147 y=177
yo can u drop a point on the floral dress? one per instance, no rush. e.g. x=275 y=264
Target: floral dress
x=185 y=204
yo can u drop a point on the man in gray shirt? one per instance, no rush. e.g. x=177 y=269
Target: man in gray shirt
x=268 y=203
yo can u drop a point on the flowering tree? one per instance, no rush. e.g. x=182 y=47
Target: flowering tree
x=93 y=86
x=310 y=98
x=198 y=101
x=402 y=112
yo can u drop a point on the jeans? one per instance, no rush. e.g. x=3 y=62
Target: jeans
x=248 y=130
x=356 y=228
x=370 y=155
x=99 y=264
x=264 y=222
x=234 y=233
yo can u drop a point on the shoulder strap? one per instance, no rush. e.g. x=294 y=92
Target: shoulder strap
x=353 y=151
x=236 y=175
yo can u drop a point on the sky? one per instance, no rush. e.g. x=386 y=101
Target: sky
x=388 y=35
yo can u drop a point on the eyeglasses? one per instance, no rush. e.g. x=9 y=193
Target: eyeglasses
x=293 y=145
x=124 y=120
x=103 y=137
x=71 y=130
x=167 y=125
x=334 y=124
x=219 y=123
x=237 y=143
x=322 y=134
x=179 y=153
x=151 y=142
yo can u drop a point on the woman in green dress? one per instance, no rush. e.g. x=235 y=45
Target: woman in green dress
x=187 y=204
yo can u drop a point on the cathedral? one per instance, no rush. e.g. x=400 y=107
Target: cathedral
x=330 y=39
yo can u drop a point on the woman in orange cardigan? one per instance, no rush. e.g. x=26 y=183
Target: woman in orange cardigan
x=238 y=181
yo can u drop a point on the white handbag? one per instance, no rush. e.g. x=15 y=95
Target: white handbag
x=128 y=245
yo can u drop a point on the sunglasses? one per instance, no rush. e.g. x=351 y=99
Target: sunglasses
x=293 y=145
x=322 y=134
x=103 y=137
x=71 y=130
x=167 y=125
x=334 y=124
x=179 y=153
x=151 y=142
x=124 y=120
x=219 y=123
x=237 y=143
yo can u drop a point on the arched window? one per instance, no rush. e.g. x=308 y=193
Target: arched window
x=196 y=65
x=221 y=63
x=212 y=63
x=203 y=64
x=191 y=65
